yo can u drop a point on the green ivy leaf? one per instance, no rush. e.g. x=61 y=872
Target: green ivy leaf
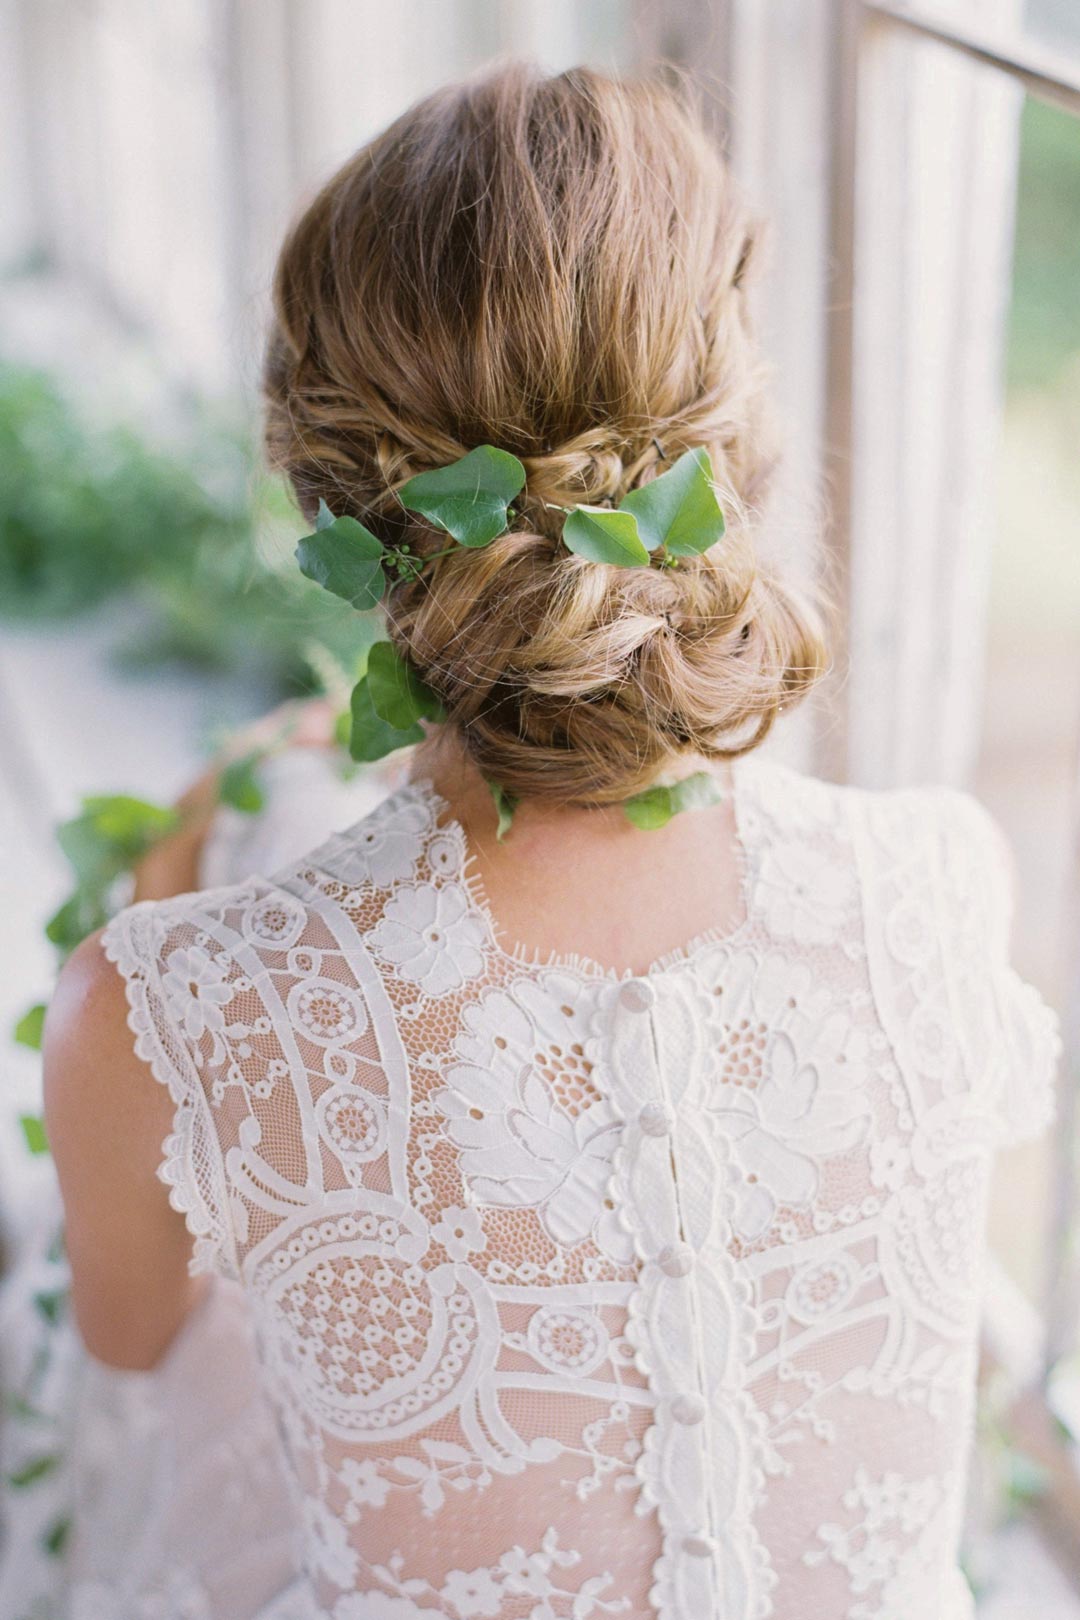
x=398 y=695
x=94 y=860
x=33 y=1129
x=650 y=809
x=239 y=785
x=601 y=535
x=32 y=1471
x=679 y=510
x=371 y=737
x=470 y=498
x=345 y=559
x=84 y=913
x=51 y=1305
x=656 y=806
x=55 y=1538
x=19 y=1407
x=505 y=805
x=1026 y=1480
x=110 y=834
x=130 y=825
x=30 y=1028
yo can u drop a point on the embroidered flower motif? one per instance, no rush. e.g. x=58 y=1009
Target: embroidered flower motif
x=353 y=1123
x=529 y=1574
x=889 y=1160
x=793 y=1069
x=326 y=1012
x=822 y=1288
x=523 y=1145
x=459 y=1231
x=565 y=1339
x=896 y=1540
x=803 y=895
x=385 y=847
x=472 y=1593
x=365 y=1485
x=277 y=920
x=432 y=936
x=196 y=989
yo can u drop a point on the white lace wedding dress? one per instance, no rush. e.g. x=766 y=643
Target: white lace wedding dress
x=581 y=1295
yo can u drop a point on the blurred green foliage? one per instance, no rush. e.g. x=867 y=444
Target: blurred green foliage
x=1044 y=331
x=88 y=513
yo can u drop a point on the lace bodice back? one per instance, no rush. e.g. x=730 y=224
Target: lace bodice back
x=580 y=1295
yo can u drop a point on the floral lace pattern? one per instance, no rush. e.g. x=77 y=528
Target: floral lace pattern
x=584 y=1295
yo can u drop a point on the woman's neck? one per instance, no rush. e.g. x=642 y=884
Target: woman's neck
x=578 y=881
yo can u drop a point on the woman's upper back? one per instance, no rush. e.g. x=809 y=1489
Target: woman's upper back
x=581 y=1294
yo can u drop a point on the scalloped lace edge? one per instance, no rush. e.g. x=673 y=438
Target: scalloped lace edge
x=175 y=1169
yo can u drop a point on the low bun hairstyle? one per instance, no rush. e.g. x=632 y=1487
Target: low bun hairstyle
x=556 y=266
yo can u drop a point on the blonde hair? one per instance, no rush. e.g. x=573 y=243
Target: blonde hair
x=556 y=266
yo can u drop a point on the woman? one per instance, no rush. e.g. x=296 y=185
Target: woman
x=608 y=1201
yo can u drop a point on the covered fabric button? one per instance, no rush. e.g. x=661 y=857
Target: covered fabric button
x=688 y=1409
x=655 y=1120
x=636 y=995
x=699 y=1546
x=675 y=1259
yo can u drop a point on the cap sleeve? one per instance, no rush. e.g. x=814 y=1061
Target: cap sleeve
x=142 y=942
x=1018 y=1040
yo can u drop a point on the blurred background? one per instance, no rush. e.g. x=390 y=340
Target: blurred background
x=920 y=169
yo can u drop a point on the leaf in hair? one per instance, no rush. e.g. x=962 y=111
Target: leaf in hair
x=505 y=805
x=469 y=499
x=655 y=807
x=398 y=695
x=601 y=535
x=371 y=737
x=679 y=510
x=344 y=558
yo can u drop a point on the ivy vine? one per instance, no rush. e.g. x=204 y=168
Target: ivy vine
x=675 y=516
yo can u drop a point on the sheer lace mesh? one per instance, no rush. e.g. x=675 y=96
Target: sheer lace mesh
x=582 y=1295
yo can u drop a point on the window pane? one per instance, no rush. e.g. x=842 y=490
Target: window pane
x=1054 y=23
x=1048 y=30
x=1031 y=717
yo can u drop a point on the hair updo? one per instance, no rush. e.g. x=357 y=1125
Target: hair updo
x=552 y=265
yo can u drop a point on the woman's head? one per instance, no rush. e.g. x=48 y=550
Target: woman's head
x=555 y=266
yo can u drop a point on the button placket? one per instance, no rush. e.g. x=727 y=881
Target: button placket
x=688 y=1407
x=677 y=1377
x=656 y=1120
